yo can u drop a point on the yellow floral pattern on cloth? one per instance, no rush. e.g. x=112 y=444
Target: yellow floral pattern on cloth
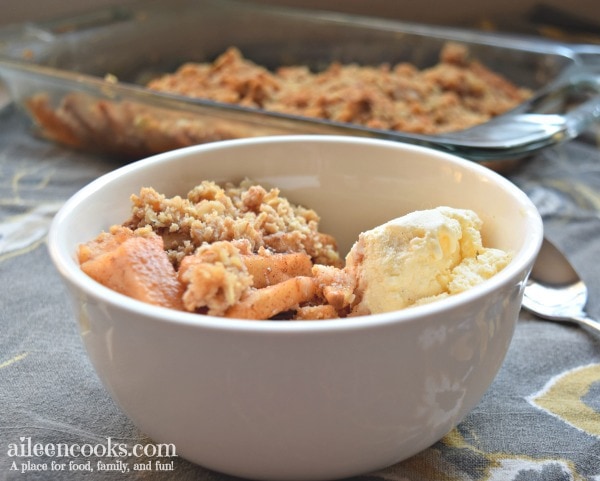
x=17 y=358
x=564 y=397
x=433 y=464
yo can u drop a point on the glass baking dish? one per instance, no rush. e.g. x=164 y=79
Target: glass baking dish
x=75 y=61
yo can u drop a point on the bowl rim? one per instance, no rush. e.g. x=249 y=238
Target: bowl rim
x=68 y=267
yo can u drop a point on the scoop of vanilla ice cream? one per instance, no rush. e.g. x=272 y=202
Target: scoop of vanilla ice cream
x=420 y=257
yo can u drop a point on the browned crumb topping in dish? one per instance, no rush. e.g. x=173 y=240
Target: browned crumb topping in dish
x=457 y=93
x=232 y=212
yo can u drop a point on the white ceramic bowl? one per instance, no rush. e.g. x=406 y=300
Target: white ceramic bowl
x=304 y=400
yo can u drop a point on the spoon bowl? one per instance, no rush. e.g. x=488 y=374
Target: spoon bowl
x=555 y=291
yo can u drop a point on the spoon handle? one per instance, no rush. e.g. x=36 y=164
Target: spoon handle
x=585 y=320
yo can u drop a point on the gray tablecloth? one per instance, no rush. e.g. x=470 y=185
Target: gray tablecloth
x=540 y=420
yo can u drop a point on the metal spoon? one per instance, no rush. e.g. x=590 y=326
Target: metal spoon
x=555 y=291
